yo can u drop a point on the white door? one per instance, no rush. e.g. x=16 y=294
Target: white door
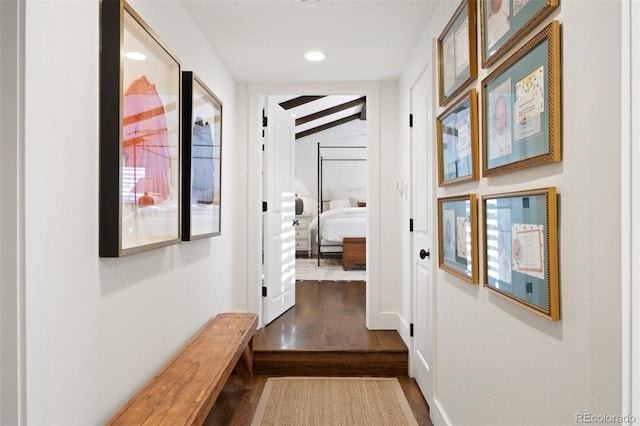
x=421 y=250
x=279 y=291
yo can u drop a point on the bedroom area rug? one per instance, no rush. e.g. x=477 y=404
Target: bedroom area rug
x=330 y=270
x=321 y=401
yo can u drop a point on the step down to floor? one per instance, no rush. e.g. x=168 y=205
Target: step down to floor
x=330 y=363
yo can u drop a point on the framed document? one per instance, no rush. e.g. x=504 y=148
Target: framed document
x=520 y=245
x=201 y=159
x=457 y=236
x=503 y=23
x=457 y=59
x=139 y=135
x=521 y=107
x=457 y=130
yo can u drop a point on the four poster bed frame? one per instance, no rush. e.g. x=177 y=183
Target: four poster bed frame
x=353 y=249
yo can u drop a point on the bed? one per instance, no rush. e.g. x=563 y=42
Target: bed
x=343 y=230
x=344 y=217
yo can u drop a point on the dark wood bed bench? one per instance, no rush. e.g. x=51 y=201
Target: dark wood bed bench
x=354 y=252
x=186 y=388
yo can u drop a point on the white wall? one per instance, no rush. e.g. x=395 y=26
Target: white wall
x=340 y=175
x=496 y=362
x=97 y=329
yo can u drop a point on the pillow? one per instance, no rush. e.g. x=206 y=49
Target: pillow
x=339 y=204
x=360 y=194
x=336 y=194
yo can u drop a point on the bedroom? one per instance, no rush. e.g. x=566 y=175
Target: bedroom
x=330 y=161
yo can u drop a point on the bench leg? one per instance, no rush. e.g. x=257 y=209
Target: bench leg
x=244 y=367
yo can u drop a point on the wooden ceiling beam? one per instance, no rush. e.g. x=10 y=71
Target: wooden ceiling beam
x=328 y=126
x=300 y=100
x=332 y=110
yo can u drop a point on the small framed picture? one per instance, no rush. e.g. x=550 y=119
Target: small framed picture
x=521 y=107
x=457 y=59
x=457 y=236
x=520 y=247
x=201 y=159
x=503 y=23
x=139 y=135
x=457 y=137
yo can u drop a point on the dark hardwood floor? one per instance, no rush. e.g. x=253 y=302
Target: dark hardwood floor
x=323 y=334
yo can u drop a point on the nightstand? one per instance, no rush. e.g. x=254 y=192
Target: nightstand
x=303 y=233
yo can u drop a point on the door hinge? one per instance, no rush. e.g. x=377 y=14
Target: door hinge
x=410 y=329
x=410 y=225
x=263 y=144
x=264 y=291
x=264 y=121
x=410 y=120
x=264 y=206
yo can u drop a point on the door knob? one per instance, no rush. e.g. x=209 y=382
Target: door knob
x=296 y=222
x=425 y=253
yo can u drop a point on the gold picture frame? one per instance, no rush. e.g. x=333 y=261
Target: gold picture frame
x=458 y=236
x=521 y=101
x=520 y=249
x=457 y=139
x=503 y=23
x=457 y=53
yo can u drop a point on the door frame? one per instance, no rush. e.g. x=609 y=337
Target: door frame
x=12 y=183
x=630 y=209
x=375 y=319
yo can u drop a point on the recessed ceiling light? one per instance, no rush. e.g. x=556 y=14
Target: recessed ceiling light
x=314 y=56
x=136 y=56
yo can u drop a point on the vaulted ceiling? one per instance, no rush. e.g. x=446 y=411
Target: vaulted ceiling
x=315 y=113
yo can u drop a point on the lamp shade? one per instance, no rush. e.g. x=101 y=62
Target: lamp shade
x=300 y=188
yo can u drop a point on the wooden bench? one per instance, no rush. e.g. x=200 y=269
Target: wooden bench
x=186 y=388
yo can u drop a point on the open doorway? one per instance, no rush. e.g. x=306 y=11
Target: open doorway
x=331 y=184
x=377 y=316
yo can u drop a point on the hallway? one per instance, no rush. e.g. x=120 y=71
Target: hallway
x=323 y=334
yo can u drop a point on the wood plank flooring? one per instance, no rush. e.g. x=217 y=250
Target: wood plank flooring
x=323 y=334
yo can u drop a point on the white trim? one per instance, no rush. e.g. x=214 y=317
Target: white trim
x=438 y=415
x=634 y=283
x=630 y=210
x=12 y=284
x=375 y=319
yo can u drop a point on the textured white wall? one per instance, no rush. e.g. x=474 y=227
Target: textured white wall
x=97 y=329
x=496 y=362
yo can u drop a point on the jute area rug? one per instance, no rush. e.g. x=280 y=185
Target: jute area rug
x=328 y=401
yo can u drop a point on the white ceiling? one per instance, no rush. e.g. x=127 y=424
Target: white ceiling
x=265 y=40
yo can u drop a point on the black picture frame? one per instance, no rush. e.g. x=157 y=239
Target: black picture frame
x=139 y=97
x=201 y=159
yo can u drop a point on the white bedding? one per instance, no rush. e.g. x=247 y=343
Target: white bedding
x=337 y=224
